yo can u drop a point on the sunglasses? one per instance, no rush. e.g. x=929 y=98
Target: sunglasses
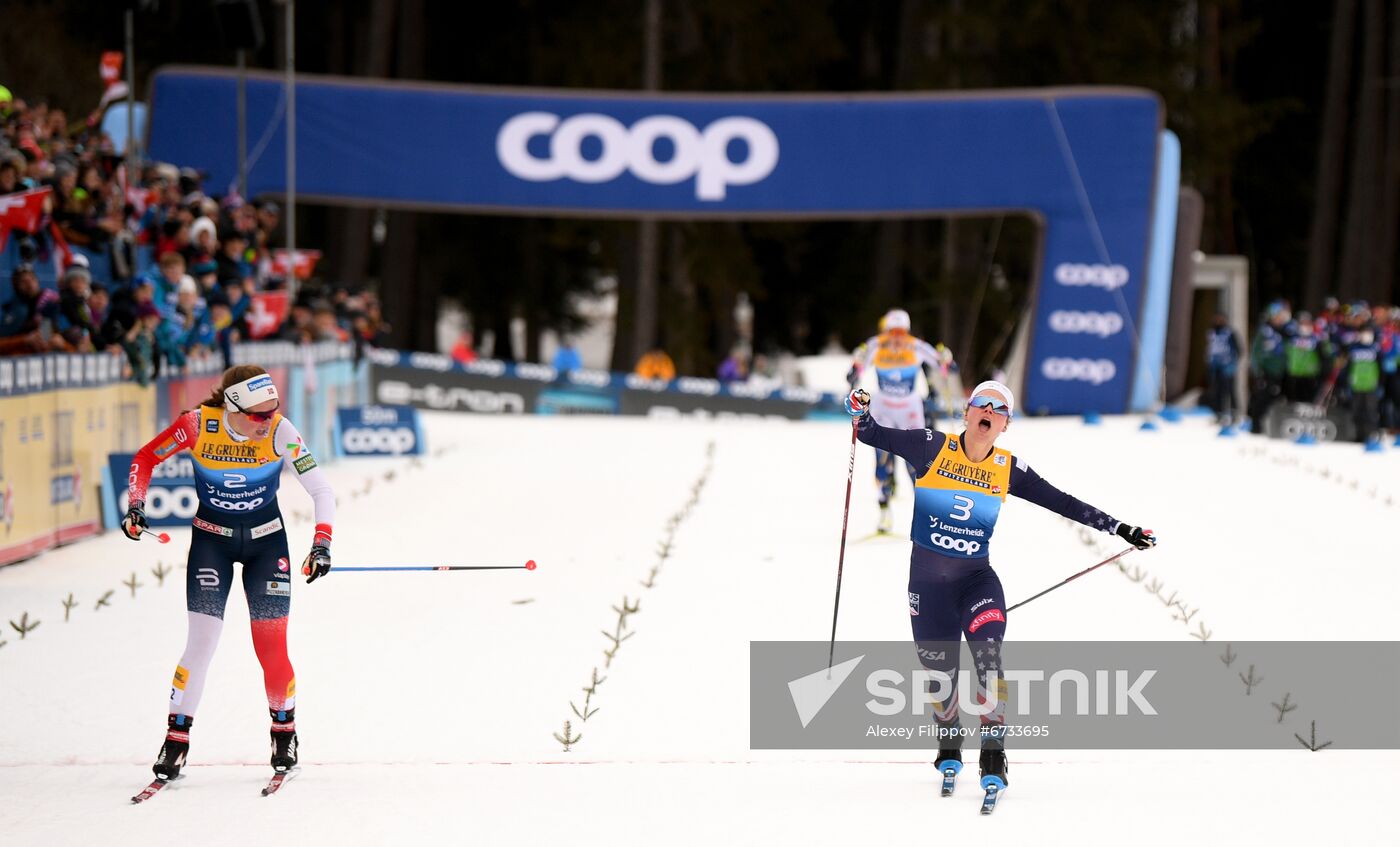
x=984 y=402
x=257 y=417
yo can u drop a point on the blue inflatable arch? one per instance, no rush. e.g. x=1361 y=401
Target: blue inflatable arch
x=1091 y=164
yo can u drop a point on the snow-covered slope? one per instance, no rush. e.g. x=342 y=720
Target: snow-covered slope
x=428 y=702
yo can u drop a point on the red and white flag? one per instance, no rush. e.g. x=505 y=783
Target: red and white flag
x=305 y=263
x=22 y=211
x=267 y=313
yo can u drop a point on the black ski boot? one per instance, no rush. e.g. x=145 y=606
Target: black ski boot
x=284 y=740
x=993 y=764
x=176 y=747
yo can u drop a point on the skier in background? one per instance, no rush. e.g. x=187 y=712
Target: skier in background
x=897 y=357
x=1305 y=351
x=1222 y=360
x=961 y=484
x=238 y=442
x=1363 y=380
x=1266 y=363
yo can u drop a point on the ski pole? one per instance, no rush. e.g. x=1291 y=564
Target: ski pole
x=841 y=561
x=1115 y=557
x=528 y=566
x=162 y=537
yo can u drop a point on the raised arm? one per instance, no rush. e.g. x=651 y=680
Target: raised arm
x=861 y=358
x=918 y=447
x=1029 y=485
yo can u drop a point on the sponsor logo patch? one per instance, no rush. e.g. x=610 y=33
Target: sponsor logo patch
x=986 y=618
x=283 y=565
x=266 y=529
x=305 y=463
x=211 y=425
x=201 y=523
x=279 y=589
x=913 y=604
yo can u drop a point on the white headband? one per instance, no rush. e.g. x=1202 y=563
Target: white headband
x=993 y=385
x=250 y=392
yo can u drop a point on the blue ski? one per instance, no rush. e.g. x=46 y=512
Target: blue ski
x=993 y=786
x=950 y=769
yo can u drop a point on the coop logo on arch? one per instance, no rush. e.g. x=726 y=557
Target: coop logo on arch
x=701 y=154
x=1107 y=277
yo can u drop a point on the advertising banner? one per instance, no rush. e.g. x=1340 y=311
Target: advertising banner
x=1083 y=161
x=378 y=431
x=435 y=382
x=171 y=498
x=60 y=416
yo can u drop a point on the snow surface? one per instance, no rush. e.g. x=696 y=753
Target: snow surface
x=428 y=702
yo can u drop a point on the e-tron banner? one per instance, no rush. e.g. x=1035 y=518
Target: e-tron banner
x=1083 y=161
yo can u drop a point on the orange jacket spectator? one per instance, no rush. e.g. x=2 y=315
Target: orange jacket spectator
x=655 y=364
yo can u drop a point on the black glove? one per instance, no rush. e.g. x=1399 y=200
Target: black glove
x=853 y=376
x=135 y=521
x=1137 y=536
x=317 y=563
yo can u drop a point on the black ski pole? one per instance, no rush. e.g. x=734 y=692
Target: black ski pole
x=1115 y=557
x=841 y=561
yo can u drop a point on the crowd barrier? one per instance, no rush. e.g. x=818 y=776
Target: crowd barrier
x=60 y=417
x=436 y=382
x=63 y=415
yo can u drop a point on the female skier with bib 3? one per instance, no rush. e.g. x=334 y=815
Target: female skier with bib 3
x=961 y=484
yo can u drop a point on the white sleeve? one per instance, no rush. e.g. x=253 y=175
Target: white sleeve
x=290 y=443
x=866 y=352
x=928 y=354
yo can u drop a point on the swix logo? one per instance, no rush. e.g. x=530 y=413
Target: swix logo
x=1096 y=371
x=986 y=618
x=703 y=155
x=1102 y=324
x=1107 y=277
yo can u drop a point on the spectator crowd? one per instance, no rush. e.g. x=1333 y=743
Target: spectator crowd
x=176 y=273
x=1344 y=355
